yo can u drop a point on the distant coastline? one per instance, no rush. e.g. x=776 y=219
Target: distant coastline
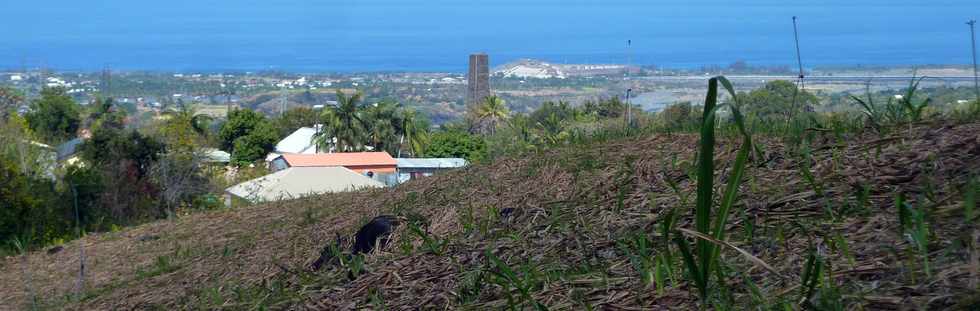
x=651 y=69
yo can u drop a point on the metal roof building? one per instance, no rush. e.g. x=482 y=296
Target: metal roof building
x=412 y=168
x=300 y=141
x=297 y=182
x=430 y=162
x=213 y=155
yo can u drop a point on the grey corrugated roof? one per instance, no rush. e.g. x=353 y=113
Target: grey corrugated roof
x=296 y=182
x=216 y=156
x=300 y=141
x=69 y=148
x=430 y=162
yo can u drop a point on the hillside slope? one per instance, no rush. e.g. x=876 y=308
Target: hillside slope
x=567 y=221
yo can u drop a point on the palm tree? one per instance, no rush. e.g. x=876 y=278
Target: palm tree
x=415 y=130
x=521 y=124
x=324 y=137
x=493 y=110
x=381 y=121
x=344 y=123
x=553 y=128
x=198 y=122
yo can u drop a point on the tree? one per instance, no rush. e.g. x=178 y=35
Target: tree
x=34 y=160
x=10 y=100
x=180 y=178
x=553 y=129
x=561 y=110
x=778 y=98
x=54 y=116
x=344 y=124
x=103 y=112
x=240 y=123
x=414 y=131
x=184 y=130
x=521 y=125
x=85 y=185
x=254 y=146
x=677 y=115
x=293 y=119
x=492 y=110
x=609 y=108
x=456 y=144
x=124 y=158
x=381 y=121
x=31 y=210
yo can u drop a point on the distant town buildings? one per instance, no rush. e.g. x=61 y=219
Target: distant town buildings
x=529 y=68
x=478 y=78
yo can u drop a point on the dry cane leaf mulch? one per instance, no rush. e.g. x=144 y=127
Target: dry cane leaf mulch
x=565 y=216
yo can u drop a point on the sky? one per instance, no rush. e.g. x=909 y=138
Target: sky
x=373 y=35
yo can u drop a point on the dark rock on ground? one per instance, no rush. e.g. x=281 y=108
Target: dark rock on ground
x=373 y=233
x=55 y=250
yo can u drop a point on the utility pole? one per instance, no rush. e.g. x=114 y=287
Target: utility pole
x=81 y=247
x=629 y=83
x=799 y=59
x=973 y=42
x=799 y=62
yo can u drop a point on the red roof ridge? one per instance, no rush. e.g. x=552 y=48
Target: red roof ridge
x=340 y=159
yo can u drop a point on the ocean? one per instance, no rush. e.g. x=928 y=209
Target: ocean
x=410 y=35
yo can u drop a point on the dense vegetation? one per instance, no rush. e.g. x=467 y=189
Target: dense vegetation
x=127 y=173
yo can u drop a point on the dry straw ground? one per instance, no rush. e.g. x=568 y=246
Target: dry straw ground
x=572 y=210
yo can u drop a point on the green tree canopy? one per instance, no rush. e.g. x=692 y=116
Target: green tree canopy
x=54 y=116
x=491 y=111
x=562 y=110
x=105 y=113
x=240 y=123
x=414 y=129
x=10 y=99
x=30 y=210
x=776 y=99
x=456 y=144
x=382 y=125
x=109 y=146
x=345 y=123
x=608 y=108
x=293 y=119
x=254 y=146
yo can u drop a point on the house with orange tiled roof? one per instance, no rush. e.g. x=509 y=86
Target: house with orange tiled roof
x=377 y=165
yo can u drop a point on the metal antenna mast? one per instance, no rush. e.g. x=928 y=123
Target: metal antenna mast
x=973 y=42
x=799 y=60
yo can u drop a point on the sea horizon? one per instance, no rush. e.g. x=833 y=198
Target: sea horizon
x=406 y=36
